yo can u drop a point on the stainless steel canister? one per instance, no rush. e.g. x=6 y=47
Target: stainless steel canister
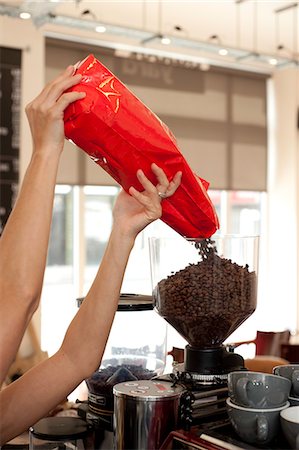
x=145 y=412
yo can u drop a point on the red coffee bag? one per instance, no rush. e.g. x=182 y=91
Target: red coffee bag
x=122 y=135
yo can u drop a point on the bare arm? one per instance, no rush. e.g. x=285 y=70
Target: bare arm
x=78 y=358
x=24 y=242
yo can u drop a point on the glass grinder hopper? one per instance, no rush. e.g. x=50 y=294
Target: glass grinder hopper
x=205 y=289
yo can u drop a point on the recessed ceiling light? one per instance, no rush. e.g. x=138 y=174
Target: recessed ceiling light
x=165 y=40
x=25 y=15
x=273 y=61
x=100 y=29
x=223 y=52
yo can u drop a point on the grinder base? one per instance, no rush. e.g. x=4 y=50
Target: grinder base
x=212 y=361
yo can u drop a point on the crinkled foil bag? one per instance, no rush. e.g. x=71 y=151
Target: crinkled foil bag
x=122 y=135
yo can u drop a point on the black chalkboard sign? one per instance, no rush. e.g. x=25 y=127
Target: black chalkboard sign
x=10 y=99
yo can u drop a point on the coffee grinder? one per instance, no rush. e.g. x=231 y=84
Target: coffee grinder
x=205 y=289
x=136 y=349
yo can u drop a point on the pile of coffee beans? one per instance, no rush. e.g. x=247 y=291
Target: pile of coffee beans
x=100 y=386
x=205 y=302
x=103 y=380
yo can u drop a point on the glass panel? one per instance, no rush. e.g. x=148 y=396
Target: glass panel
x=239 y=212
x=246 y=212
x=137 y=278
x=60 y=248
x=98 y=205
x=215 y=197
x=57 y=304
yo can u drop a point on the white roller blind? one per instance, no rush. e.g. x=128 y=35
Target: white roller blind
x=218 y=117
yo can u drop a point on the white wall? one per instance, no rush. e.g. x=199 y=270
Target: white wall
x=283 y=190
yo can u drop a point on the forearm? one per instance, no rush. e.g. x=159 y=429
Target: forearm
x=34 y=394
x=23 y=254
x=87 y=335
x=24 y=243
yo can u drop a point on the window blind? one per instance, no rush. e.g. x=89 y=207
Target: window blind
x=218 y=116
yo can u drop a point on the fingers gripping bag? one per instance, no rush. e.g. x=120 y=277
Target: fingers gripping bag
x=122 y=135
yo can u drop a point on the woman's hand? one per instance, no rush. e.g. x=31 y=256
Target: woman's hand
x=134 y=212
x=45 y=112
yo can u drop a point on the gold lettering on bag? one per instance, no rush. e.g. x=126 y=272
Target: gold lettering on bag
x=107 y=88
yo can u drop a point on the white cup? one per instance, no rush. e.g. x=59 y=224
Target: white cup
x=289 y=419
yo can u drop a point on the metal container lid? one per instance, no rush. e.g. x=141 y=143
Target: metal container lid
x=130 y=302
x=149 y=390
x=60 y=428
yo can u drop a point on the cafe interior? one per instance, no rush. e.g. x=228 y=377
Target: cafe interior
x=223 y=76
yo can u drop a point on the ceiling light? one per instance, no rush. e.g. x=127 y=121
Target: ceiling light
x=273 y=61
x=25 y=15
x=100 y=29
x=165 y=40
x=223 y=52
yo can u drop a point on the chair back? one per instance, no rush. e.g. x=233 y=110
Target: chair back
x=269 y=342
x=290 y=352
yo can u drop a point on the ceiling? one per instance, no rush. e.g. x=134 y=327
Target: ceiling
x=253 y=32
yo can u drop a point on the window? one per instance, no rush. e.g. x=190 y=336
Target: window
x=97 y=206
x=57 y=306
x=82 y=221
x=221 y=129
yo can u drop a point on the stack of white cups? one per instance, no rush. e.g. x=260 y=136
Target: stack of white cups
x=254 y=405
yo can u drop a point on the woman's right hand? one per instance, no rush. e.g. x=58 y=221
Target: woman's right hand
x=134 y=212
x=45 y=112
